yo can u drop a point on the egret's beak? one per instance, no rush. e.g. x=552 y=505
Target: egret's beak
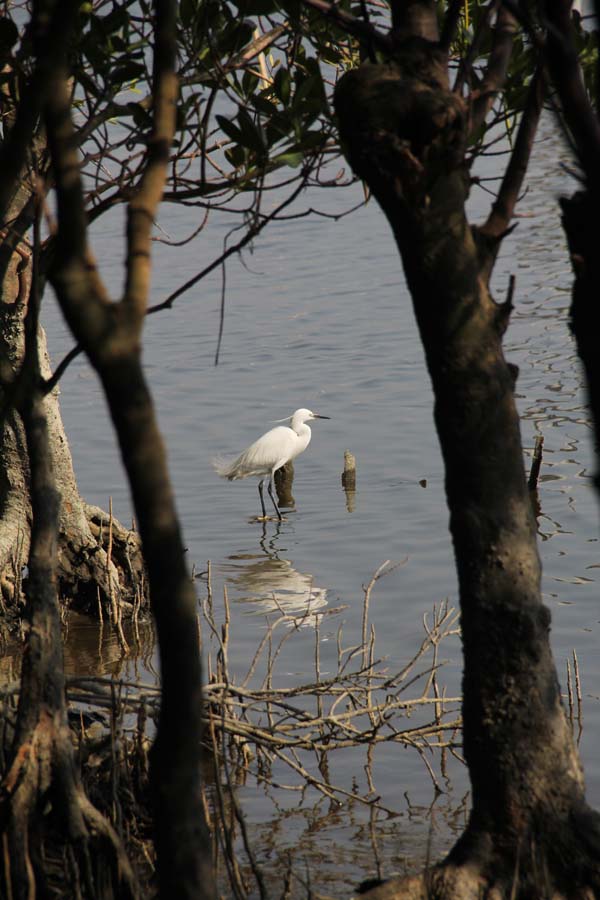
x=321 y=417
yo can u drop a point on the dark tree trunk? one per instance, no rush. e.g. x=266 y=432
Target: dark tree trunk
x=43 y=773
x=182 y=841
x=111 y=335
x=84 y=568
x=580 y=120
x=530 y=828
x=580 y=222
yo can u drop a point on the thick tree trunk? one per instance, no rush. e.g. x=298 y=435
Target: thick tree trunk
x=580 y=221
x=530 y=828
x=84 y=569
x=110 y=334
x=43 y=774
x=182 y=840
x=580 y=120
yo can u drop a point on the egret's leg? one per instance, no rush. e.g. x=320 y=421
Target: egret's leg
x=260 y=494
x=270 y=490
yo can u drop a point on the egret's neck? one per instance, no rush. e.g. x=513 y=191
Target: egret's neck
x=298 y=425
x=302 y=430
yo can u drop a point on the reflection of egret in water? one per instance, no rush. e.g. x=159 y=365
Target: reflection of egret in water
x=272 y=585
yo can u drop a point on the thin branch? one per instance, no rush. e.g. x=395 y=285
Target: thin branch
x=49 y=384
x=504 y=206
x=72 y=272
x=256 y=47
x=465 y=67
x=254 y=229
x=351 y=25
x=142 y=208
x=450 y=25
x=563 y=63
x=417 y=18
x=495 y=74
x=221 y=313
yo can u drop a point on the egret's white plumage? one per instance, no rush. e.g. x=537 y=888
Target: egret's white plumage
x=270 y=452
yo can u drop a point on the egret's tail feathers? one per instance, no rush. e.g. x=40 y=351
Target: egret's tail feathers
x=225 y=468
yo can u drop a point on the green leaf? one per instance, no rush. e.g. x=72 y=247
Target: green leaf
x=282 y=85
x=141 y=116
x=236 y=156
x=114 y=21
x=289 y=158
x=266 y=107
x=231 y=130
x=130 y=71
x=252 y=136
x=249 y=84
x=187 y=12
x=312 y=139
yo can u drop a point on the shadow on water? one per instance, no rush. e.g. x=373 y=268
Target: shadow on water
x=93 y=649
x=347 y=844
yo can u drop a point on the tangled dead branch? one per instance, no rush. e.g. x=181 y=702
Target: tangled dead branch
x=363 y=703
x=283 y=738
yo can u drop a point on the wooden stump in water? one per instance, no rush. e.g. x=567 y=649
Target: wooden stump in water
x=284 y=480
x=349 y=480
x=536 y=463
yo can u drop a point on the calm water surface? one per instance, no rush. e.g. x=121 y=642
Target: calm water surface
x=319 y=316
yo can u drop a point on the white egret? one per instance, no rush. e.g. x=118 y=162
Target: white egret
x=270 y=452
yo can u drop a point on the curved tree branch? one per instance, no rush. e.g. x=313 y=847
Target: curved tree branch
x=110 y=335
x=358 y=28
x=498 y=221
x=414 y=18
x=255 y=228
x=450 y=26
x=465 y=67
x=72 y=271
x=495 y=74
x=144 y=204
x=563 y=64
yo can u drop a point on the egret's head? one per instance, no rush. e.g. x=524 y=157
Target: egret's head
x=305 y=415
x=300 y=416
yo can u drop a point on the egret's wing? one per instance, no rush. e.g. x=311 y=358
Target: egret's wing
x=224 y=466
x=271 y=449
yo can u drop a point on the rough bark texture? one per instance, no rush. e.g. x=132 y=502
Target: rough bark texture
x=580 y=120
x=84 y=568
x=530 y=830
x=43 y=774
x=184 y=865
x=580 y=221
x=110 y=334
